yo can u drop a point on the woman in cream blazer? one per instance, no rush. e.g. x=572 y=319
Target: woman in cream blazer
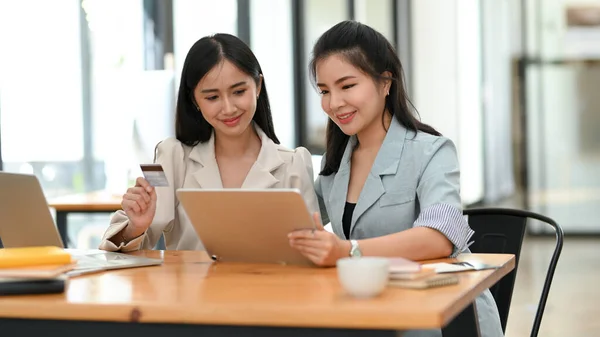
x=224 y=139
x=275 y=167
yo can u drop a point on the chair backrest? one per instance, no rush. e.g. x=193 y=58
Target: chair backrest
x=501 y=231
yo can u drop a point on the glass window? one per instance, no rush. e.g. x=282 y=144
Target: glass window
x=193 y=19
x=377 y=14
x=563 y=113
x=40 y=92
x=319 y=17
x=118 y=87
x=272 y=45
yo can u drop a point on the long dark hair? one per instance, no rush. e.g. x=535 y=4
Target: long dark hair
x=190 y=126
x=368 y=50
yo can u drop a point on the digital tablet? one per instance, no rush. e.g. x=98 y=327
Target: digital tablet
x=246 y=225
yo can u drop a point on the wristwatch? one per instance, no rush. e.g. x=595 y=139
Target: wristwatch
x=355 y=249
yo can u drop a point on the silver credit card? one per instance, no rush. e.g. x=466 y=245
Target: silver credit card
x=154 y=174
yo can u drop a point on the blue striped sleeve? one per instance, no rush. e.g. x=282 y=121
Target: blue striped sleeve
x=449 y=221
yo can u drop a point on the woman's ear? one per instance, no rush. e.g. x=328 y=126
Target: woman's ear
x=387 y=82
x=259 y=86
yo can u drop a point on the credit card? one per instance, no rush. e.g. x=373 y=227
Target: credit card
x=154 y=174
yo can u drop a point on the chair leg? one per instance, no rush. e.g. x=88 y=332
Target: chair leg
x=465 y=324
x=547 y=283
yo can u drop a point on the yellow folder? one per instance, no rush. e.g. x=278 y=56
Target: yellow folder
x=33 y=256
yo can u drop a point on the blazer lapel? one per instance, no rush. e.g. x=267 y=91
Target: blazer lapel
x=208 y=175
x=261 y=173
x=386 y=163
x=259 y=176
x=339 y=189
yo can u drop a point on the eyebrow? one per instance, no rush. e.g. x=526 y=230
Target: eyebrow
x=231 y=87
x=342 y=79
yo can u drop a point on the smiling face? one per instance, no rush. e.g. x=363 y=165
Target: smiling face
x=226 y=97
x=351 y=98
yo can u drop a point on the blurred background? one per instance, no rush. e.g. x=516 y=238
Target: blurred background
x=87 y=89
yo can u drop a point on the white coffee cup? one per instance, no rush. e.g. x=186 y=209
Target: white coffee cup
x=363 y=277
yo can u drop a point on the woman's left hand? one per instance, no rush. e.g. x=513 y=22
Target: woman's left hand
x=320 y=246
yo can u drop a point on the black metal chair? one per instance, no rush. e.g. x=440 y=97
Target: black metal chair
x=501 y=231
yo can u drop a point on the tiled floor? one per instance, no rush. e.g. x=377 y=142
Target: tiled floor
x=572 y=308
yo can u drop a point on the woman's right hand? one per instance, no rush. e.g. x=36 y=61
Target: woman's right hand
x=139 y=203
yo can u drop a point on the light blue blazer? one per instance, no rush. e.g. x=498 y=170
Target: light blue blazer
x=414 y=181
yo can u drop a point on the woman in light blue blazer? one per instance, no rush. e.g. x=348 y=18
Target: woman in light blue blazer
x=389 y=184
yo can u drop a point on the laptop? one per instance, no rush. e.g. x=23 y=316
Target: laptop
x=26 y=221
x=248 y=225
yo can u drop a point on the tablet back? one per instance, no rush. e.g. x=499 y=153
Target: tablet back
x=245 y=225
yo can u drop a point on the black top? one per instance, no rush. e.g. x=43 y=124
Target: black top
x=347 y=218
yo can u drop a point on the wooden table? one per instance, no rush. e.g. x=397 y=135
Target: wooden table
x=93 y=202
x=189 y=295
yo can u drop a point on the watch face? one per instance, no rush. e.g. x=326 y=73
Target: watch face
x=355 y=251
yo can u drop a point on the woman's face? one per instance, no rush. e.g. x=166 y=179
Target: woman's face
x=226 y=97
x=349 y=97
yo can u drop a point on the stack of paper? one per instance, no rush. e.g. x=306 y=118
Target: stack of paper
x=409 y=274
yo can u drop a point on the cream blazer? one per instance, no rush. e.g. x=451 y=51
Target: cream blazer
x=196 y=167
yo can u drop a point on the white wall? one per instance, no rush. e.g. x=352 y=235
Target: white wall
x=194 y=19
x=469 y=94
x=446 y=80
x=40 y=81
x=272 y=46
x=497 y=99
x=461 y=76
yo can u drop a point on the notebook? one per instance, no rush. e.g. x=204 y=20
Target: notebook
x=436 y=280
x=36 y=272
x=33 y=256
